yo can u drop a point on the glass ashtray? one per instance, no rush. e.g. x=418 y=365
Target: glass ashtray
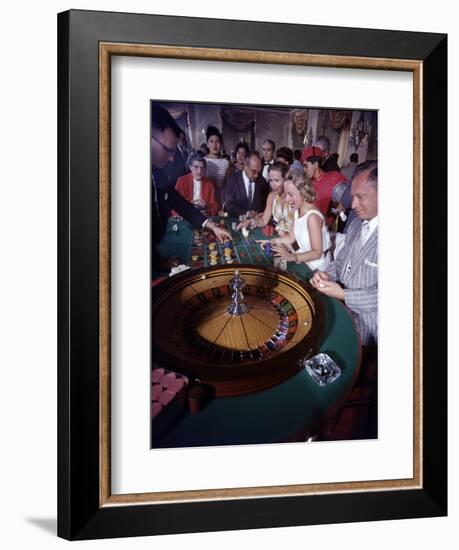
x=322 y=369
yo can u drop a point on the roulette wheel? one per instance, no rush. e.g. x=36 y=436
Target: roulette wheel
x=239 y=329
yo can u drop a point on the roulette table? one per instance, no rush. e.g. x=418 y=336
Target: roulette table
x=249 y=359
x=192 y=246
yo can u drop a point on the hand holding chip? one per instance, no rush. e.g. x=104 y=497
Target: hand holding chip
x=221 y=233
x=281 y=251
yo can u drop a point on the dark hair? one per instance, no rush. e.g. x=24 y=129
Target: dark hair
x=213 y=131
x=323 y=142
x=280 y=167
x=161 y=119
x=271 y=142
x=354 y=157
x=286 y=153
x=370 y=166
x=242 y=145
x=204 y=149
x=297 y=154
x=196 y=156
x=249 y=157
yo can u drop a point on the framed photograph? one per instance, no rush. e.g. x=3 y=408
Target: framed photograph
x=231 y=391
x=241 y=365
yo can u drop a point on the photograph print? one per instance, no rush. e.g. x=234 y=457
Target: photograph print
x=264 y=274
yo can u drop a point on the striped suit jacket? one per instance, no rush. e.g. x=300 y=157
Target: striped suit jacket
x=356 y=268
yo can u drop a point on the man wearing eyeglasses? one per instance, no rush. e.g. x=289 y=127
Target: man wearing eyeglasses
x=246 y=191
x=164 y=138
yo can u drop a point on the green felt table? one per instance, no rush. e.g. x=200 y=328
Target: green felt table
x=290 y=410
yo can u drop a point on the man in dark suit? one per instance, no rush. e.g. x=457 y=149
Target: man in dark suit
x=329 y=163
x=178 y=167
x=267 y=150
x=246 y=191
x=353 y=276
x=164 y=137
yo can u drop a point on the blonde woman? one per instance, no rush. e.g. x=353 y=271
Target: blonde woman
x=277 y=207
x=308 y=229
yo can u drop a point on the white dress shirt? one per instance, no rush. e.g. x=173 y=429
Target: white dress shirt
x=368 y=227
x=266 y=168
x=196 y=190
x=247 y=187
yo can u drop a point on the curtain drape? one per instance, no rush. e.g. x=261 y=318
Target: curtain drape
x=238 y=120
x=176 y=110
x=300 y=121
x=339 y=119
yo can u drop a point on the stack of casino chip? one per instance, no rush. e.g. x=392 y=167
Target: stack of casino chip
x=168 y=400
x=228 y=253
x=196 y=248
x=166 y=386
x=213 y=254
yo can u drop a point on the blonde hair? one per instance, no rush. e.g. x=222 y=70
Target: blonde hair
x=301 y=181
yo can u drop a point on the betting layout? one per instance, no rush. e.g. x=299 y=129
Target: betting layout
x=206 y=250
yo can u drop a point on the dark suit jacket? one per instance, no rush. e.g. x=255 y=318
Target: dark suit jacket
x=164 y=199
x=330 y=165
x=176 y=168
x=236 y=200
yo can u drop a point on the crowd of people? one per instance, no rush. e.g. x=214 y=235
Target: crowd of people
x=324 y=216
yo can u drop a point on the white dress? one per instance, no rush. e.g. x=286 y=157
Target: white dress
x=301 y=232
x=216 y=171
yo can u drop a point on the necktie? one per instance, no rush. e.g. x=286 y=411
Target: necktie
x=250 y=192
x=365 y=231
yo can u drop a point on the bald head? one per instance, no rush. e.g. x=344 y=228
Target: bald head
x=252 y=165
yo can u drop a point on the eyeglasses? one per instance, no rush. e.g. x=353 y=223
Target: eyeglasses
x=169 y=151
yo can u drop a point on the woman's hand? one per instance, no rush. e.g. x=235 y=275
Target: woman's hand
x=200 y=204
x=245 y=223
x=281 y=251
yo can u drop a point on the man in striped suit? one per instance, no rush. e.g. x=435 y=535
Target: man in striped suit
x=353 y=276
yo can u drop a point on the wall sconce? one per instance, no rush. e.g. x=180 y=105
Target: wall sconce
x=359 y=132
x=308 y=138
